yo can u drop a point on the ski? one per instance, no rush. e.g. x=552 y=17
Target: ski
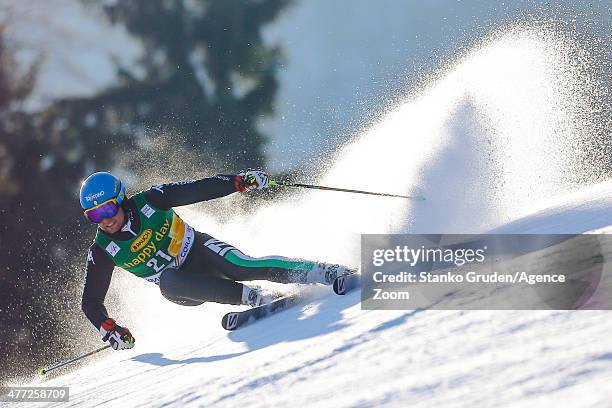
x=345 y=283
x=235 y=320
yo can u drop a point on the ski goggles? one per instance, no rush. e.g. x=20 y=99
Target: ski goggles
x=107 y=209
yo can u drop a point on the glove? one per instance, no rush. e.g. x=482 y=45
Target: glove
x=119 y=337
x=252 y=180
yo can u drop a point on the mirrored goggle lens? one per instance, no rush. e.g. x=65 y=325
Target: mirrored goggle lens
x=106 y=210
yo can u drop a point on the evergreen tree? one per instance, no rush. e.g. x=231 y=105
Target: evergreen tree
x=205 y=75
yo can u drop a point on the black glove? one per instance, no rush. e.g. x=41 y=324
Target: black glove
x=119 y=337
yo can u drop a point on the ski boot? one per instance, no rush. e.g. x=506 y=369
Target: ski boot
x=255 y=296
x=326 y=273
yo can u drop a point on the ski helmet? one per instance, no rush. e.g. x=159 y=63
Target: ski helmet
x=100 y=187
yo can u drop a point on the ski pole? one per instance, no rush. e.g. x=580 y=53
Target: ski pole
x=286 y=184
x=44 y=371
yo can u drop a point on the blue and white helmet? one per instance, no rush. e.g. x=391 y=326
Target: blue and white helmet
x=100 y=187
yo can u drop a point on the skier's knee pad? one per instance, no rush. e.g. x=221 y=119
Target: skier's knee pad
x=172 y=286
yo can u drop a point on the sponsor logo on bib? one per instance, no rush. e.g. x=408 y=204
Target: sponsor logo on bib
x=142 y=240
x=112 y=248
x=147 y=211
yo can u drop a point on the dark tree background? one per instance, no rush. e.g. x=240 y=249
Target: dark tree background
x=204 y=81
x=205 y=75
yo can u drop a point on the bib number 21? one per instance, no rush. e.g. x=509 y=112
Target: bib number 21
x=152 y=263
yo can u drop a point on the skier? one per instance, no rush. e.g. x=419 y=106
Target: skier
x=143 y=235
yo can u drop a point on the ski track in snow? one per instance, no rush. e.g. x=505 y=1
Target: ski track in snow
x=475 y=146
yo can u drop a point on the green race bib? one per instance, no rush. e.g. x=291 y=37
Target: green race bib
x=163 y=240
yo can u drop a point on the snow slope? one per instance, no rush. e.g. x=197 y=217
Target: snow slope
x=330 y=353
x=474 y=141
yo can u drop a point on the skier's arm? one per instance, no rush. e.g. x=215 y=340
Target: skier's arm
x=166 y=196
x=98 y=274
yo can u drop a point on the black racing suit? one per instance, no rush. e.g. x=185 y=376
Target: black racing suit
x=206 y=275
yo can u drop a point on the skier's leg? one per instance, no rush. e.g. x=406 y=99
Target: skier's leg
x=189 y=288
x=234 y=264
